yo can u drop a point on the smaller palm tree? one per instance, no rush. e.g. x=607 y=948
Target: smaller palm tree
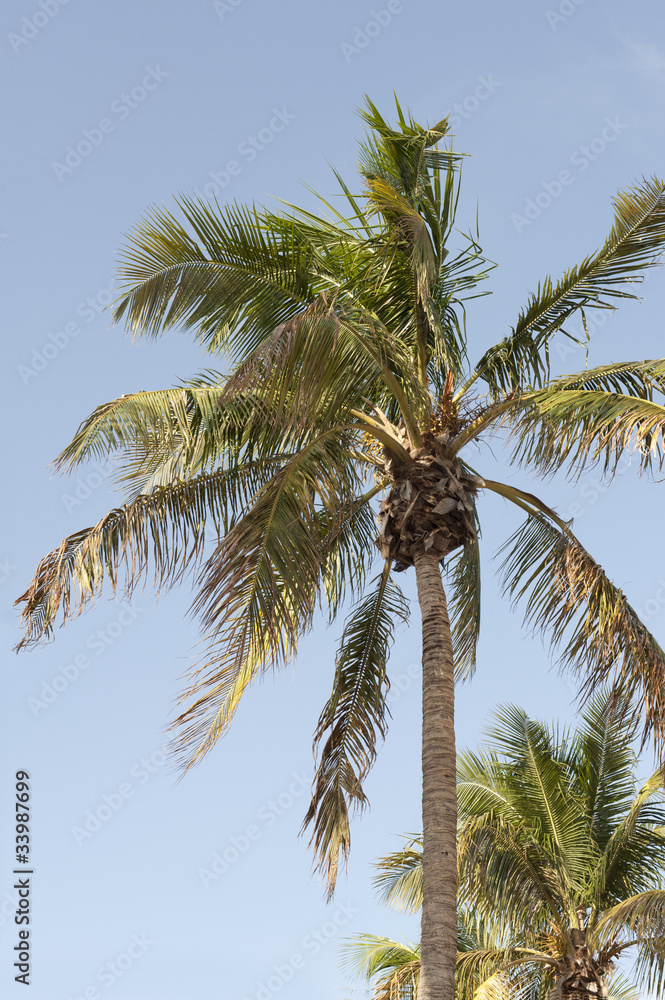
x=391 y=967
x=561 y=868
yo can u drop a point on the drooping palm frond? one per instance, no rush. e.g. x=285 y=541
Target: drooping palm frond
x=620 y=988
x=165 y=419
x=640 y=915
x=259 y=589
x=165 y=529
x=650 y=964
x=464 y=607
x=347 y=544
x=481 y=786
x=352 y=721
x=579 y=421
x=324 y=364
x=641 y=921
x=636 y=239
x=569 y=598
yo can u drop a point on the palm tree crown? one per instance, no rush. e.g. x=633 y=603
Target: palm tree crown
x=565 y=852
x=561 y=868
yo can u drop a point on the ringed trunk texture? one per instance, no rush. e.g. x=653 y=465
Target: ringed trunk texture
x=439 y=912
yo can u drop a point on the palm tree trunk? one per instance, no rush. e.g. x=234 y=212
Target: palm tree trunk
x=439 y=912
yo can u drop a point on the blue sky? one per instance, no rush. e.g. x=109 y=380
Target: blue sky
x=559 y=105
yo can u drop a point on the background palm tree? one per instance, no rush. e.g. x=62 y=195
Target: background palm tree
x=349 y=378
x=561 y=866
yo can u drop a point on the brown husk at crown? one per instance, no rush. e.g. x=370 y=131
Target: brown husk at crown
x=429 y=506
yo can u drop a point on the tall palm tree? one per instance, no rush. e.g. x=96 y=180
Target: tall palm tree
x=561 y=868
x=346 y=377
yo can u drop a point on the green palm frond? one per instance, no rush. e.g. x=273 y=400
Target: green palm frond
x=410 y=231
x=636 y=239
x=501 y=873
x=635 y=849
x=392 y=968
x=406 y=155
x=519 y=828
x=622 y=989
x=501 y=973
x=578 y=421
x=399 y=878
x=542 y=792
x=649 y=969
x=352 y=721
x=641 y=919
x=604 y=763
x=221 y=273
x=481 y=786
x=259 y=589
x=164 y=420
x=323 y=364
x=347 y=545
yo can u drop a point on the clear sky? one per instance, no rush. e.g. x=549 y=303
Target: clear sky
x=159 y=96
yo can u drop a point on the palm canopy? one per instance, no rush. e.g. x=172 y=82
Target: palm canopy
x=561 y=846
x=561 y=866
x=346 y=377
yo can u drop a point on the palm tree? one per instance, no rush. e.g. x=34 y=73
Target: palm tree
x=392 y=968
x=346 y=376
x=561 y=867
